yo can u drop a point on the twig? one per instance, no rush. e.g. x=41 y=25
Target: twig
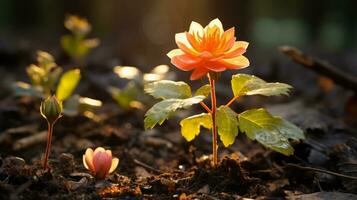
x=5 y=135
x=231 y=101
x=30 y=140
x=207 y=196
x=322 y=67
x=205 y=107
x=321 y=170
x=147 y=166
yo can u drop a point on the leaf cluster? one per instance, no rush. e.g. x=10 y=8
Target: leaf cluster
x=47 y=77
x=76 y=45
x=131 y=95
x=258 y=124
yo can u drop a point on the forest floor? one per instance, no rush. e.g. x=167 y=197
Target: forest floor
x=160 y=164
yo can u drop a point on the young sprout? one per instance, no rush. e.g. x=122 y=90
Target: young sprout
x=47 y=77
x=131 y=95
x=76 y=44
x=77 y=25
x=100 y=162
x=45 y=73
x=207 y=52
x=51 y=110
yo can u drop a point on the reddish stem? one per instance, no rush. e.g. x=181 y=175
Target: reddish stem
x=205 y=107
x=48 y=146
x=231 y=101
x=213 y=114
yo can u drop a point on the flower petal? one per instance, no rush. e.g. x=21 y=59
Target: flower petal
x=102 y=163
x=228 y=39
x=196 y=28
x=235 y=63
x=108 y=152
x=85 y=162
x=235 y=53
x=175 y=52
x=114 y=165
x=239 y=44
x=215 y=22
x=215 y=66
x=198 y=73
x=186 y=49
x=192 y=39
x=237 y=49
x=88 y=159
x=185 y=62
x=181 y=37
x=98 y=149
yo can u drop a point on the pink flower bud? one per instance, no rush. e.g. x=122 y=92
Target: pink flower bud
x=100 y=162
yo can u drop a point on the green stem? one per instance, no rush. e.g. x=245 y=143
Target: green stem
x=48 y=146
x=213 y=114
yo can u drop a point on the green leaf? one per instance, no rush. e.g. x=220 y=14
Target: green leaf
x=52 y=78
x=88 y=104
x=85 y=46
x=245 y=84
x=227 y=125
x=124 y=97
x=69 y=45
x=289 y=130
x=166 y=108
x=76 y=105
x=45 y=61
x=271 y=131
x=71 y=106
x=204 y=90
x=36 y=74
x=166 y=89
x=190 y=126
x=77 y=48
x=24 y=89
x=67 y=84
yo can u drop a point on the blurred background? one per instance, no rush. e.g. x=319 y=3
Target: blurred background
x=140 y=33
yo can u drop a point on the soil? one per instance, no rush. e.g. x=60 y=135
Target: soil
x=160 y=164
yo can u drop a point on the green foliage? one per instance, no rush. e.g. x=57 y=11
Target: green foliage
x=44 y=78
x=132 y=96
x=190 y=126
x=168 y=90
x=78 y=48
x=76 y=105
x=245 y=84
x=127 y=96
x=45 y=73
x=75 y=44
x=204 y=90
x=166 y=108
x=67 y=84
x=257 y=124
x=227 y=125
x=271 y=131
x=25 y=89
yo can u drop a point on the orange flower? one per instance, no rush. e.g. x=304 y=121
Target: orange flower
x=100 y=162
x=208 y=49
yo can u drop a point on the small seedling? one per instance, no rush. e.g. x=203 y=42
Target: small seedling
x=51 y=110
x=76 y=45
x=100 y=162
x=208 y=52
x=46 y=76
x=131 y=95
